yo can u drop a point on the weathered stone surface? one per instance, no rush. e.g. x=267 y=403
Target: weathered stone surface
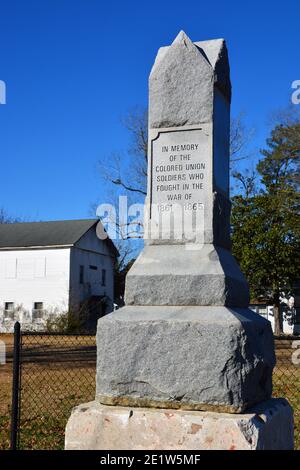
x=175 y=275
x=93 y=426
x=184 y=357
x=182 y=81
x=216 y=52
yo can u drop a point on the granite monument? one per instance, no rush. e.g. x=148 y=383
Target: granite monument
x=185 y=358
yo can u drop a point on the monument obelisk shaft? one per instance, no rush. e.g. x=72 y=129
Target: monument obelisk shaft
x=188 y=222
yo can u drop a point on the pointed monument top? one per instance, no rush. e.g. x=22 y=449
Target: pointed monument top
x=210 y=55
x=182 y=38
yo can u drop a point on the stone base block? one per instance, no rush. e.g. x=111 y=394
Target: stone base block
x=92 y=426
x=193 y=358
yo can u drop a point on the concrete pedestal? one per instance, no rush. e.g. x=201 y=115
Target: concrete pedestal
x=267 y=426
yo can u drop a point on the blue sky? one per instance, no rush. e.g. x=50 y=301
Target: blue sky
x=73 y=68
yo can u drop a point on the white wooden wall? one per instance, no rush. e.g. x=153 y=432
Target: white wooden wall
x=28 y=276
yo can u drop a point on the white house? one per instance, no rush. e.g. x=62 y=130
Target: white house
x=48 y=268
x=290 y=314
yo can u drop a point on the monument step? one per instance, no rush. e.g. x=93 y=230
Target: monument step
x=186 y=275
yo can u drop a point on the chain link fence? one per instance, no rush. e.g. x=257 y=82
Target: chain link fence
x=286 y=377
x=57 y=372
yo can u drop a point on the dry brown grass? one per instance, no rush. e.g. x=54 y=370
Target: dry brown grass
x=58 y=373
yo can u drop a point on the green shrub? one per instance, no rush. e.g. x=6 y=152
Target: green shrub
x=67 y=322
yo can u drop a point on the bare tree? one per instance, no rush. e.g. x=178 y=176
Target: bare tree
x=246 y=182
x=240 y=137
x=288 y=116
x=129 y=170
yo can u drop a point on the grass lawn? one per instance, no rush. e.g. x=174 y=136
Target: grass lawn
x=58 y=375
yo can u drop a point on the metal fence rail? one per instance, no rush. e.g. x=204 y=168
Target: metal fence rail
x=15 y=411
x=56 y=372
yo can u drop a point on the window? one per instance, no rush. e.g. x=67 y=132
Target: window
x=9 y=310
x=81 y=274
x=262 y=310
x=103 y=277
x=9 y=306
x=38 y=306
x=93 y=267
x=37 y=312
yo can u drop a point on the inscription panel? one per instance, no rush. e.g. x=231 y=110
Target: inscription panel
x=180 y=170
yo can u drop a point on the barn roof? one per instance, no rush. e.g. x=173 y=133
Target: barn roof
x=42 y=234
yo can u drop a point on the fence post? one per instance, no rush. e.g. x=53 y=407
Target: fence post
x=15 y=388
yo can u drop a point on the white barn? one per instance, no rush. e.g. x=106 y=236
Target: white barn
x=49 y=268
